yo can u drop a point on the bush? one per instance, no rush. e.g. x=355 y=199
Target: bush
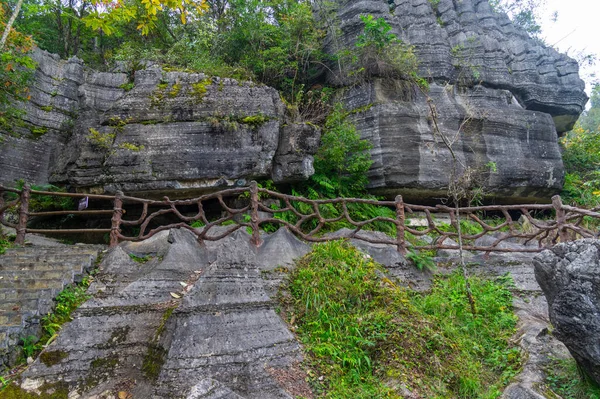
x=581 y=157
x=343 y=159
x=367 y=337
x=379 y=53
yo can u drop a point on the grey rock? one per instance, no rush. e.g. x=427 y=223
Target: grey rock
x=172 y=133
x=218 y=337
x=211 y=389
x=541 y=347
x=294 y=158
x=508 y=95
x=569 y=275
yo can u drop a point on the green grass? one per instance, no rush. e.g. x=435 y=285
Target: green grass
x=140 y=259
x=564 y=379
x=66 y=302
x=5 y=243
x=367 y=337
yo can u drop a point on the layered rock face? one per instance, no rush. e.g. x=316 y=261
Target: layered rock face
x=200 y=321
x=160 y=132
x=569 y=275
x=193 y=322
x=31 y=150
x=498 y=95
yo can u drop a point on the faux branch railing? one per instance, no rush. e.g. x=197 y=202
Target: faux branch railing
x=568 y=223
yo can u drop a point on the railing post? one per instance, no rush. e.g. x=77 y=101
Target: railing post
x=23 y=215
x=560 y=218
x=400 y=220
x=1 y=204
x=116 y=219
x=254 y=213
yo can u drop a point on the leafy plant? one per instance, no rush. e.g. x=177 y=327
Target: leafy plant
x=101 y=140
x=44 y=203
x=421 y=261
x=565 y=379
x=15 y=74
x=28 y=344
x=364 y=334
x=140 y=259
x=379 y=53
x=343 y=159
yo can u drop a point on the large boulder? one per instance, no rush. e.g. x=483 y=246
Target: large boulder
x=152 y=132
x=503 y=95
x=569 y=275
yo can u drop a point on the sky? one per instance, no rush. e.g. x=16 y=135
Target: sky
x=577 y=30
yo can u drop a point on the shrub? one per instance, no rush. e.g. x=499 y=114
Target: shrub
x=366 y=337
x=379 y=53
x=343 y=159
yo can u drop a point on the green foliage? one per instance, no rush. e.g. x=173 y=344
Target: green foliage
x=16 y=72
x=343 y=159
x=422 y=261
x=5 y=243
x=524 y=13
x=565 y=379
x=467 y=227
x=131 y=147
x=379 y=53
x=366 y=336
x=101 y=140
x=581 y=156
x=140 y=259
x=66 y=302
x=127 y=86
x=44 y=203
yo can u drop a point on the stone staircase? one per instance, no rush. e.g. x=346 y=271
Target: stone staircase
x=30 y=278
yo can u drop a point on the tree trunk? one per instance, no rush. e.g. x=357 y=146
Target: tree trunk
x=10 y=23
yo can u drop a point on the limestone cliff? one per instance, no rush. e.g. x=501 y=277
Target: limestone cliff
x=152 y=131
x=505 y=96
x=504 y=93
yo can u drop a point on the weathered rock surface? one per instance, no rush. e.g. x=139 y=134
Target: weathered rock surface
x=219 y=336
x=569 y=275
x=171 y=132
x=163 y=132
x=30 y=151
x=505 y=93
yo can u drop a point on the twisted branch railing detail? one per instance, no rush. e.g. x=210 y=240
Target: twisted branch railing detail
x=567 y=225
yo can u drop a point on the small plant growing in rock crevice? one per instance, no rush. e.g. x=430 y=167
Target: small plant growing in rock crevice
x=101 y=140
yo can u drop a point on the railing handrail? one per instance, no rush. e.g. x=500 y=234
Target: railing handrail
x=568 y=218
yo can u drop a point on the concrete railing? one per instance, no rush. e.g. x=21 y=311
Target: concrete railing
x=309 y=219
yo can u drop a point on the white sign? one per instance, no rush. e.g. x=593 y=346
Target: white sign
x=83 y=203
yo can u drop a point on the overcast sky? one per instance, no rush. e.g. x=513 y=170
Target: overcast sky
x=576 y=30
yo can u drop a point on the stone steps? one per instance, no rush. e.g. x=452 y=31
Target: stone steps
x=30 y=279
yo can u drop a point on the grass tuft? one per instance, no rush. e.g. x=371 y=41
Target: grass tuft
x=368 y=338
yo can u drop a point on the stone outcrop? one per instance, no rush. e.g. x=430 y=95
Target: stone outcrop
x=505 y=94
x=194 y=321
x=569 y=275
x=153 y=131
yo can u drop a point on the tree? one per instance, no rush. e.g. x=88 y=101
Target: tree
x=581 y=156
x=10 y=23
x=15 y=73
x=524 y=13
x=108 y=14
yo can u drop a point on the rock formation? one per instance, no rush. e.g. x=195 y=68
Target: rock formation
x=152 y=131
x=569 y=275
x=200 y=321
x=507 y=95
